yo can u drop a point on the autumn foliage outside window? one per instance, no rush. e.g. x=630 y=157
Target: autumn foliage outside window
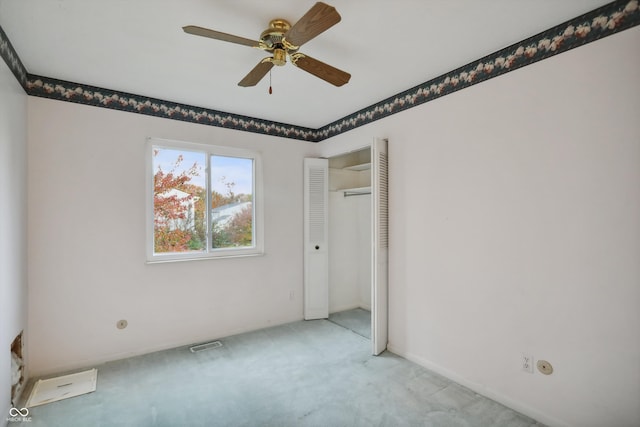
x=202 y=202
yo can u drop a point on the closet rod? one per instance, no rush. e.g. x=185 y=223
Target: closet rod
x=355 y=193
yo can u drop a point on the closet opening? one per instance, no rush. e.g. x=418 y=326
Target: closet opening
x=350 y=241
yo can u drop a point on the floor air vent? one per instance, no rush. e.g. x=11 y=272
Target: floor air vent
x=206 y=346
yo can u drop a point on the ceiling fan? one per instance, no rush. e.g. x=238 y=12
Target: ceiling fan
x=283 y=40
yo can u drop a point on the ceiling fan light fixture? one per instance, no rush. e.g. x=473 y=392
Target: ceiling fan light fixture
x=279 y=57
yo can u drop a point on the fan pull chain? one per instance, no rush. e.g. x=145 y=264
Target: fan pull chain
x=270 y=89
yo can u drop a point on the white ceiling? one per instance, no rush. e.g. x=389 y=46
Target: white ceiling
x=138 y=46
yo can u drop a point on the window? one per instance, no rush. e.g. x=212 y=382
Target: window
x=203 y=201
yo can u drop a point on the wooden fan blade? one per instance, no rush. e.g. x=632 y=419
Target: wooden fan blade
x=324 y=71
x=255 y=75
x=212 y=34
x=318 y=19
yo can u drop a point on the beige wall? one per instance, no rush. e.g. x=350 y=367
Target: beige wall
x=515 y=227
x=87 y=242
x=13 y=231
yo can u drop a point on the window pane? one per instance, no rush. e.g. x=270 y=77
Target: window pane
x=179 y=199
x=231 y=202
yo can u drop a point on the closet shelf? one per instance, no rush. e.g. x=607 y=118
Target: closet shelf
x=360 y=167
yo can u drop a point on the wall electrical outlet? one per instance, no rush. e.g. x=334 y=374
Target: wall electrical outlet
x=527 y=363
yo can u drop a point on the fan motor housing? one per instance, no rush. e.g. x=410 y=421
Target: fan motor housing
x=273 y=37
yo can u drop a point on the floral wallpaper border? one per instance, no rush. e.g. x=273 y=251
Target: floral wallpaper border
x=604 y=21
x=99 y=97
x=11 y=58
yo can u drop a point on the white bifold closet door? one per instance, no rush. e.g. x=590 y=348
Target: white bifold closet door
x=316 y=234
x=380 y=246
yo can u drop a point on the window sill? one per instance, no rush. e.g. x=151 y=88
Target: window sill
x=160 y=260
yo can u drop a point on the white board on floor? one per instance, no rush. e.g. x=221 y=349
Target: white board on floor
x=64 y=387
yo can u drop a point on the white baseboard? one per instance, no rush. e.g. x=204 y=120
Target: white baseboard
x=343 y=308
x=480 y=389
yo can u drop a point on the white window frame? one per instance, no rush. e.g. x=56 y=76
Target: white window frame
x=209 y=253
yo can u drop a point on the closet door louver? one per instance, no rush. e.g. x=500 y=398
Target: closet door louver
x=380 y=233
x=316 y=232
